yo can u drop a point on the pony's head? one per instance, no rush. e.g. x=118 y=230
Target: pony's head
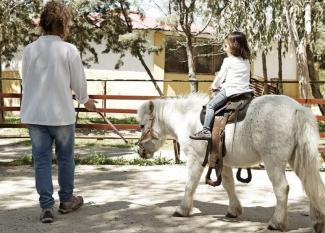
x=151 y=138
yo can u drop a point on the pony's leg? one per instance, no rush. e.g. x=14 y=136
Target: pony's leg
x=276 y=173
x=317 y=219
x=234 y=208
x=194 y=169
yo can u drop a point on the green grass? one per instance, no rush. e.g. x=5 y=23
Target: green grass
x=97 y=159
x=103 y=143
x=86 y=143
x=22 y=143
x=321 y=126
x=99 y=120
x=24 y=160
x=12 y=119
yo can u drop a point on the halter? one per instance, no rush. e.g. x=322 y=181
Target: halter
x=149 y=133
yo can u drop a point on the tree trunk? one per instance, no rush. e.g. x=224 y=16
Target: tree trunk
x=138 y=52
x=2 y=116
x=265 y=90
x=313 y=75
x=303 y=72
x=280 y=84
x=190 y=61
x=149 y=73
x=300 y=46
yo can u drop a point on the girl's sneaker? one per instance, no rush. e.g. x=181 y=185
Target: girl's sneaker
x=204 y=134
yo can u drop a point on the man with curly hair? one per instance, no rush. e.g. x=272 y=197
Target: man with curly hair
x=51 y=70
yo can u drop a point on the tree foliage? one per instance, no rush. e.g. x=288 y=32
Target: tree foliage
x=269 y=21
x=17 y=26
x=261 y=21
x=82 y=34
x=182 y=17
x=113 y=19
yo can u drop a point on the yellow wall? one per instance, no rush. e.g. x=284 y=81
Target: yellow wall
x=291 y=89
x=183 y=88
x=174 y=88
x=159 y=58
x=11 y=86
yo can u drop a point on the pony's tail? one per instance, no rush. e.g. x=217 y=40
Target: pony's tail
x=305 y=159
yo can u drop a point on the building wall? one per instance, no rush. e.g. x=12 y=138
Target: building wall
x=132 y=69
x=11 y=86
x=289 y=74
x=107 y=61
x=171 y=88
x=183 y=88
x=289 y=69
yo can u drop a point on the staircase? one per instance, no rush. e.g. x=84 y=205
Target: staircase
x=258 y=87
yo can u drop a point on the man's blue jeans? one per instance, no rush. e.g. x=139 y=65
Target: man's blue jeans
x=216 y=102
x=42 y=138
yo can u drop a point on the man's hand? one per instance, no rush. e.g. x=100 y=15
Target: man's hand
x=90 y=105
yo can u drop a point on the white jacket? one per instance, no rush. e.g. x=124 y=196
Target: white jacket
x=233 y=76
x=51 y=69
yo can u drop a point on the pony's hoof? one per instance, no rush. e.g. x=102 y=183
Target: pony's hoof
x=229 y=215
x=177 y=214
x=319 y=227
x=273 y=228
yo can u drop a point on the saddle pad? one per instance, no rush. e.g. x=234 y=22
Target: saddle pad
x=237 y=105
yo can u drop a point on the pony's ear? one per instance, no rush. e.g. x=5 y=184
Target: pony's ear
x=151 y=106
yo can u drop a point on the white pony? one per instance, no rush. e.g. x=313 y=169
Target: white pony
x=277 y=130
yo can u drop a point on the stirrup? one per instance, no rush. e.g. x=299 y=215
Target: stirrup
x=244 y=180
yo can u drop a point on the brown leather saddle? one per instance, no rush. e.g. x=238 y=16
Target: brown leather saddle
x=232 y=112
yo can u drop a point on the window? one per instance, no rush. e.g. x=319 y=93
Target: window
x=175 y=55
x=207 y=57
x=218 y=56
x=204 y=58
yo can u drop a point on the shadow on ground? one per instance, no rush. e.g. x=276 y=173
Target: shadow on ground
x=142 y=199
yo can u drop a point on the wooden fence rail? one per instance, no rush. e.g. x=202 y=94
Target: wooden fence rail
x=87 y=126
x=314 y=102
x=91 y=126
x=123 y=111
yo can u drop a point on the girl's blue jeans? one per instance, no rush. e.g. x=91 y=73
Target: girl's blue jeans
x=42 y=138
x=216 y=102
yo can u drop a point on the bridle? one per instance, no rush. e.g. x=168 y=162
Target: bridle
x=149 y=134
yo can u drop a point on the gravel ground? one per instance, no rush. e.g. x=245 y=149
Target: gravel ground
x=142 y=200
x=139 y=199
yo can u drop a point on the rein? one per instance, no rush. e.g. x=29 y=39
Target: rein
x=149 y=133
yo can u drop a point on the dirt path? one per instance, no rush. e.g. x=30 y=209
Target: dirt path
x=142 y=200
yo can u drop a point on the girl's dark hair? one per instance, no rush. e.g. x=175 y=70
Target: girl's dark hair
x=54 y=18
x=238 y=44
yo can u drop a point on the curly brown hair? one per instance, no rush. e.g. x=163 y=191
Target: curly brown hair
x=238 y=44
x=55 y=18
